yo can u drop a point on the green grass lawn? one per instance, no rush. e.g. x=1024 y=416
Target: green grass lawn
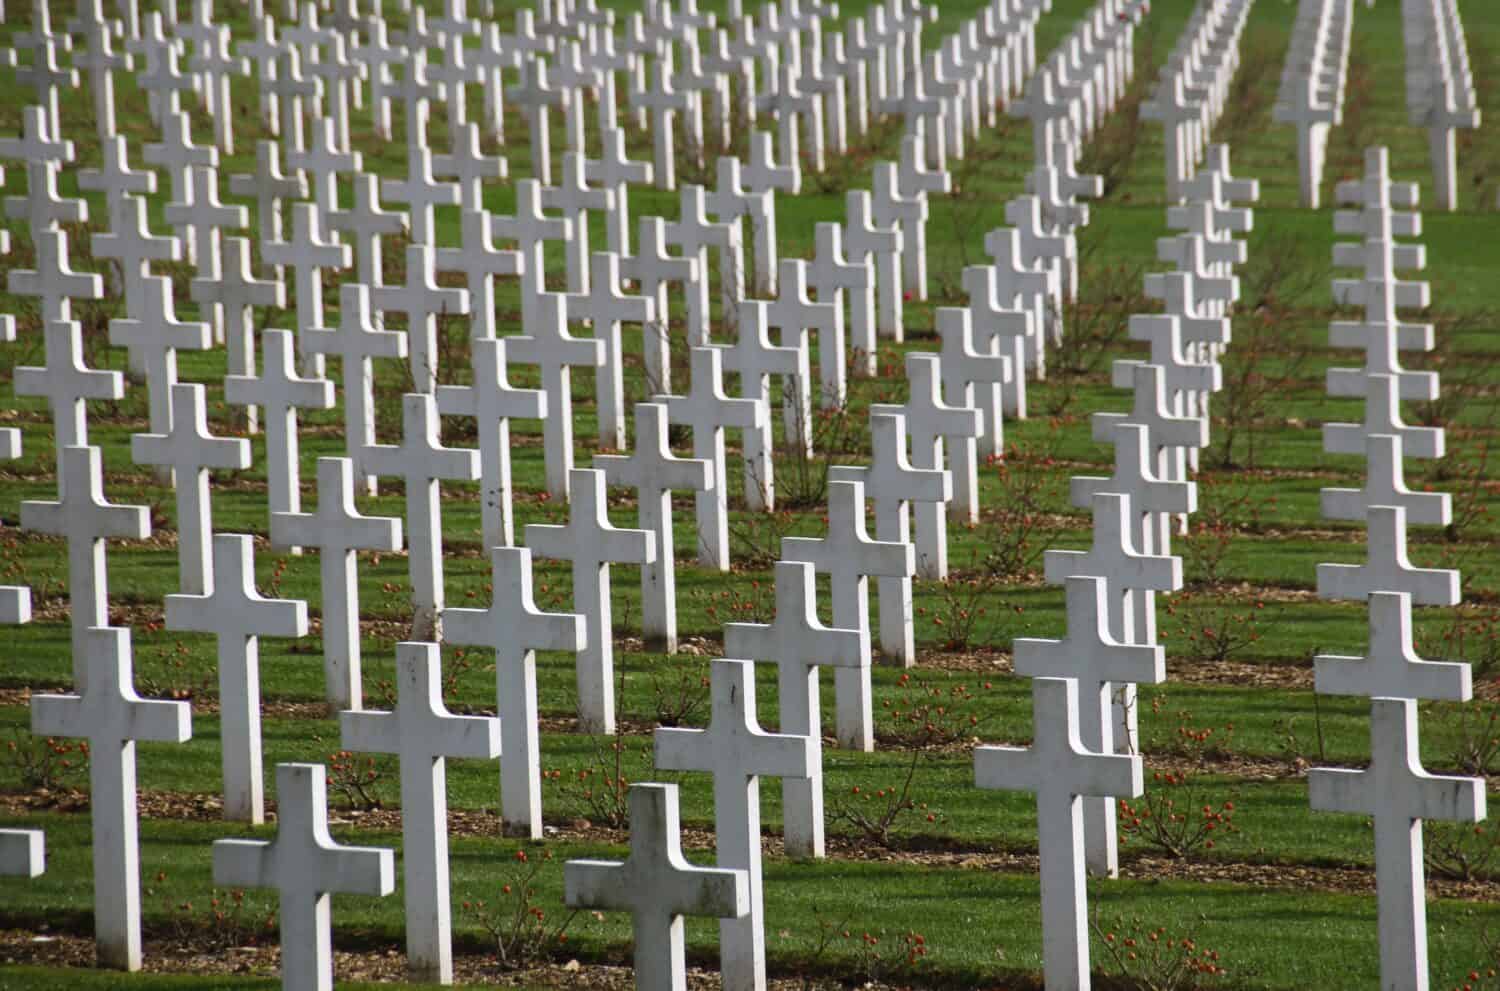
x=1239 y=639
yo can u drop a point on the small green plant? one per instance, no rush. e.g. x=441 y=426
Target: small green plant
x=739 y=605
x=221 y=921
x=679 y=687
x=1461 y=851
x=960 y=613
x=518 y=927
x=360 y=780
x=1179 y=815
x=47 y=766
x=1154 y=959
x=1215 y=627
x=922 y=721
x=1023 y=519
x=876 y=956
x=599 y=791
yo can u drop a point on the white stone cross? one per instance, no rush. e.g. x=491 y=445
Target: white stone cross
x=129 y=242
x=1383 y=416
x=842 y=281
x=1033 y=285
x=695 y=234
x=655 y=269
x=479 y=261
x=357 y=342
x=664 y=103
x=730 y=200
x=849 y=556
x=653 y=471
x=890 y=207
x=422 y=301
x=756 y=359
x=1001 y=328
x=279 y=391
x=1385 y=485
x=269 y=188
x=892 y=485
x=306 y=867
x=1387 y=568
x=548 y=345
x=422 y=734
x=53 y=281
x=516 y=629
x=115 y=177
x=880 y=245
x=590 y=543
x=177 y=153
x=202 y=219
x=657 y=886
x=574 y=198
x=1392 y=668
x=307 y=254
x=337 y=529
x=238 y=615
x=1188 y=370
x=66 y=383
x=608 y=309
x=964 y=367
x=707 y=410
x=101 y=60
x=534 y=95
x=1153 y=500
x=1129 y=572
x=1382 y=341
x=1100 y=665
x=531 y=228
x=187 y=451
x=1171 y=433
x=83 y=517
x=1060 y=770
x=762 y=172
x=109 y=714
x=1398 y=794
x=615 y=171
x=237 y=291
x=467 y=164
x=366 y=222
x=493 y=402
x=798 y=644
x=421 y=461
x=795 y=311
x=738 y=753
x=931 y=422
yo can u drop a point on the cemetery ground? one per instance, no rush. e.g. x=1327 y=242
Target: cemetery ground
x=929 y=882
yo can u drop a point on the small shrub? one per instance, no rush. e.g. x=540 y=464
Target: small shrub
x=921 y=721
x=599 y=791
x=1177 y=815
x=47 y=765
x=1155 y=959
x=517 y=926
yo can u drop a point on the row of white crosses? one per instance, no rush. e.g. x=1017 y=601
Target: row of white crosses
x=216 y=591
x=1440 y=93
x=1394 y=790
x=1085 y=751
x=1082 y=80
x=1311 y=94
x=1193 y=86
